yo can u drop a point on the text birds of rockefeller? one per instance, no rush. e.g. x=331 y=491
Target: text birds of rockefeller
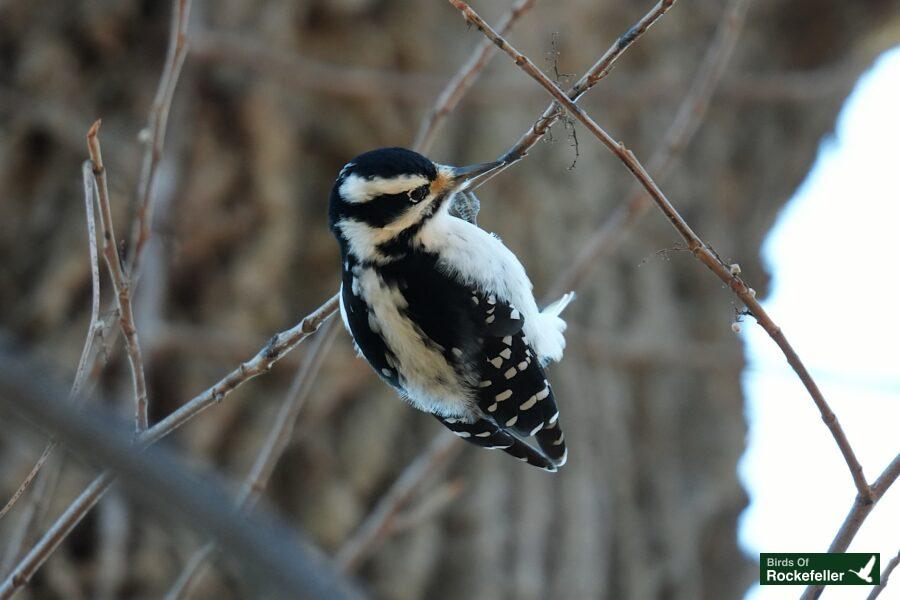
x=441 y=309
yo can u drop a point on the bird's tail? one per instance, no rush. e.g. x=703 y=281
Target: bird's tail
x=548 y=330
x=488 y=435
x=555 y=308
x=553 y=443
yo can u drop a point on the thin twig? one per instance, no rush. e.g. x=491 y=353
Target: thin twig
x=601 y=69
x=276 y=443
x=464 y=79
x=698 y=247
x=885 y=576
x=29 y=478
x=380 y=521
x=156 y=132
x=272 y=352
x=690 y=115
x=120 y=282
x=93 y=330
x=94 y=324
x=860 y=510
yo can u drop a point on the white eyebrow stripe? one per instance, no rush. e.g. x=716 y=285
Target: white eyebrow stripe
x=356 y=189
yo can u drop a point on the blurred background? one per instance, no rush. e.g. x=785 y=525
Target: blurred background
x=275 y=97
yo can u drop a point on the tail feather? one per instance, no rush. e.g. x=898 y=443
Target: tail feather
x=555 y=308
x=488 y=435
x=553 y=443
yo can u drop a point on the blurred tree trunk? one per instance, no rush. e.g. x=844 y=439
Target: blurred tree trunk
x=650 y=388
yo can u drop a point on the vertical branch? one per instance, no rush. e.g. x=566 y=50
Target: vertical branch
x=464 y=79
x=87 y=349
x=155 y=132
x=94 y=324
x=121 y=285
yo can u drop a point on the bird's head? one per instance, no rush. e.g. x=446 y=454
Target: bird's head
x=385 y=196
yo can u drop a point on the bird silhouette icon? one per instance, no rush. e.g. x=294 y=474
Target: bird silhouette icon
x=866 y=572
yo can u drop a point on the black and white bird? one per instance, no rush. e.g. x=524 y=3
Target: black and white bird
x=441 y=309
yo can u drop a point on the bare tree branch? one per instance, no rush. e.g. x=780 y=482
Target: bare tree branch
x=688 y=118
x=272 y=352
x=156 y=132
x=698 y=247
x=87 y=349
x=276 y=443
x=278 y=346
x=465 y=78
x=860 y=510
x=121 y=284
x=597 y=72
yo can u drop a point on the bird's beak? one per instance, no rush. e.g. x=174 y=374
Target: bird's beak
x=463 y=177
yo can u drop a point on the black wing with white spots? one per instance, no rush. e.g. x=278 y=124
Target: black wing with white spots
x=513 y=389
x=487 y=434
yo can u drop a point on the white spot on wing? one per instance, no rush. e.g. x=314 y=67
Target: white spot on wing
x=503 y=396
x=528 y=404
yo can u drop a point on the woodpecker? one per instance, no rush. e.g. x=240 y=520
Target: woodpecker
x=441 y=309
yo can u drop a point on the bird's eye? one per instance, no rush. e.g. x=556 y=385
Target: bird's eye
x=418 y=194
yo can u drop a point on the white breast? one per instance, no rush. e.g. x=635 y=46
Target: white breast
x=430 y=382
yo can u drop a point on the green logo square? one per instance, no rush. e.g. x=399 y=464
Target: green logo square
x=854 y=568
